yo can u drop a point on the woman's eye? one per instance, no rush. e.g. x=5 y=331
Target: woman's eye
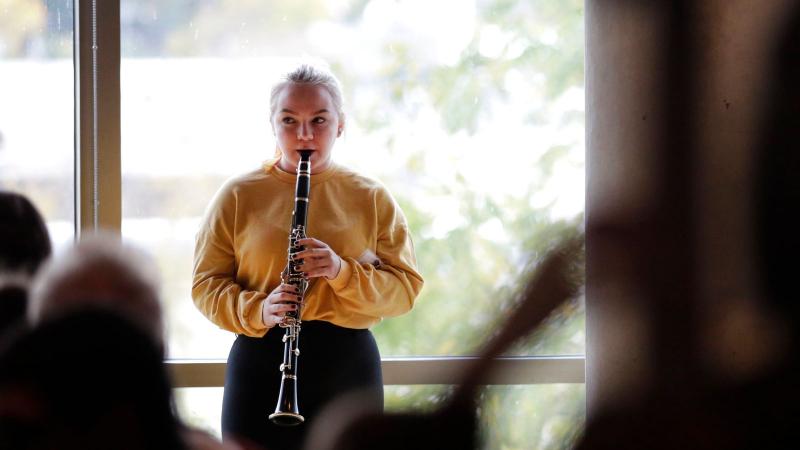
x=287 y=120
x=319 y=120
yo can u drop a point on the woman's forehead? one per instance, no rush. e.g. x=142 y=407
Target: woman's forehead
x=304 y=97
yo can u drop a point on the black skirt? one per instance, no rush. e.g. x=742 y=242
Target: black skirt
x=333 y=360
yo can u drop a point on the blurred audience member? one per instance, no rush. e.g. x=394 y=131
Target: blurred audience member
x=89 y=372
x=197 y=439
x=89 y=379
x=24 y=246
x=101 y=271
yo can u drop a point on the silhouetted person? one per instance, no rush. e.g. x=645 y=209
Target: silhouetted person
x=24 y=246
x=89 y=379
x=102 y=274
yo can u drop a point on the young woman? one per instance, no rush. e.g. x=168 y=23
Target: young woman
x=359 y=261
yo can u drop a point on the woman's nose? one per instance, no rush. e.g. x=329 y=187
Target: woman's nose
x=304 y=132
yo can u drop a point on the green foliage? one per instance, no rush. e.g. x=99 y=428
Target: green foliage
x=553 y=35
x=507 y=413
x=40 y=29
x=471 y=279
x=541 y=417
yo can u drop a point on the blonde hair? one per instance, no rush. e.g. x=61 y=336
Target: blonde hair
x=306 y=73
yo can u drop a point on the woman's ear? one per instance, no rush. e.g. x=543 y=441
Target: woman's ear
x=341 y=125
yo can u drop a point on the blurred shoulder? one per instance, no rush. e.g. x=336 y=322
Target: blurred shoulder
x=244 y=183
x=360 y=182
x=247 y=179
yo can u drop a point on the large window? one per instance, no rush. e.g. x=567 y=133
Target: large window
x=470 y=111
x=37 y=109
x=478 y=132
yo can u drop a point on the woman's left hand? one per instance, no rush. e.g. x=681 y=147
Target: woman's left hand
x=319 y=260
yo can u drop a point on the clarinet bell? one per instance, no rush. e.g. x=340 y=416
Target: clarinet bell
x=286 y=412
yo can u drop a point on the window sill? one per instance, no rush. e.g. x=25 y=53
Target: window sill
x=416 y=370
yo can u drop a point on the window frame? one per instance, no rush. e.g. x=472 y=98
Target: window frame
x=98 y=175
x=98 y=205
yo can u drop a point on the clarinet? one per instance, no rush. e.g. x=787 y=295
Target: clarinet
x=287 y=412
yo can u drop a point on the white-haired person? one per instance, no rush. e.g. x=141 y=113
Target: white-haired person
x=100 y=271
x=359 y=260
x=101 y=274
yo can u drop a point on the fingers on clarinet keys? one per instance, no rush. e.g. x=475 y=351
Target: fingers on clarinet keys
x=289 y=287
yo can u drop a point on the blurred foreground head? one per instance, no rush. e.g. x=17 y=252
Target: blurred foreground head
x=89 y=379
x=25 y=241
x=101 y=272
x=24 y=246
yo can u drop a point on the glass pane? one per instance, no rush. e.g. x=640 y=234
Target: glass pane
x=482 y=128
x=201 y=408
x=548 y=416
x=37 y=109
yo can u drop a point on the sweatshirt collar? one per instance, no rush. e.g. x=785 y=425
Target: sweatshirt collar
x=271 y=168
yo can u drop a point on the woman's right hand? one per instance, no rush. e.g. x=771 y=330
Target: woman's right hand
x=282 y=299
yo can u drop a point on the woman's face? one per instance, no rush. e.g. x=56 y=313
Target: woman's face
x=305 y=118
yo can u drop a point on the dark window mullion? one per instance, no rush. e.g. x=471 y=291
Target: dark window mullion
x=97 y=116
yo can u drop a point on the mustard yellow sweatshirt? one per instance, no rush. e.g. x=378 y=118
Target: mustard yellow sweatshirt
x=242 y=243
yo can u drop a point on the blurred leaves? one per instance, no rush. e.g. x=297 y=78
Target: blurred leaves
x=20 y=23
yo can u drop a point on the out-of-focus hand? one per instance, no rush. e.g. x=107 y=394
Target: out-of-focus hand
x=319 y=260
x=282 y=299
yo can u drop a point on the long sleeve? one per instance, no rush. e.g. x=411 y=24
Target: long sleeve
x=380 y=284
x=215 y=290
